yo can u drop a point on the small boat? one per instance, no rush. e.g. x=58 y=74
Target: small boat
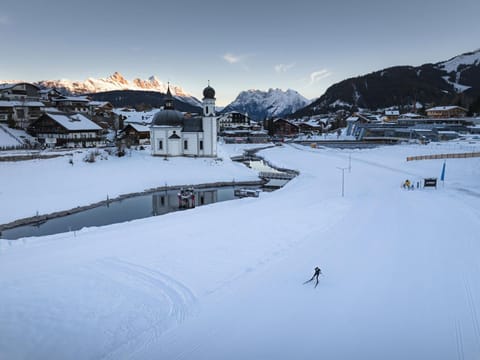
x=186 y=198
x=246 y=192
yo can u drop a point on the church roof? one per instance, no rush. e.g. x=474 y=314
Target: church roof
x=193 y=124
x=168 y=117
x=209 y=92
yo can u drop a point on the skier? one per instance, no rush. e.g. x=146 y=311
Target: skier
x=316 y=274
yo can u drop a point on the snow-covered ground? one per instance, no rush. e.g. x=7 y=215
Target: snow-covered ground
x=224 y=281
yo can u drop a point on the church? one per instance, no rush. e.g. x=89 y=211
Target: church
x=173 y=134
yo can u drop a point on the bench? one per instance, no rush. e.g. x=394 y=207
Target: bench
x=430 y=182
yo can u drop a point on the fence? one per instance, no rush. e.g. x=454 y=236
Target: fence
x=444 y=156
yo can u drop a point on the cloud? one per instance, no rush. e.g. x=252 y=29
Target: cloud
x=316 y=76
x=238 y=60
x=282 y=68
x=232 y=59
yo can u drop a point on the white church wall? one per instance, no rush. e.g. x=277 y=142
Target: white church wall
x=174 y=147
x=192 y=147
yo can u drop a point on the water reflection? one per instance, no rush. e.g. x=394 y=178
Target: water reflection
x=137 y=207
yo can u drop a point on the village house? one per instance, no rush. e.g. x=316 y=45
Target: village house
x=66 y=130
x=74 y=104
x=19 y=92
x=391 y=115
x=234 y=120
x=283 y=127
x=46 y=95
x=135 y=134
x=310 y=126
x=446 y=112
x=20 y=114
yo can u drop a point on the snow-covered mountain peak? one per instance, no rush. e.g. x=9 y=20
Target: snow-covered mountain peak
x=463 y=60
x=116 y=77
x=271 y=103
x=116 y=81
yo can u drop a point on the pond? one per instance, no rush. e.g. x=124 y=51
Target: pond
x=132 y=208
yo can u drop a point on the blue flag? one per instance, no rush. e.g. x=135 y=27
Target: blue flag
x=442 y=177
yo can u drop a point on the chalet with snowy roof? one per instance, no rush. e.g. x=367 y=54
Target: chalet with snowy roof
x=74 y=104
x=66 y=130
x=283 y=127
x=20 y=114
x=46 y=95
x=391 y=115
x=446 y=112
x=101 y=107
x=19 y=92
x=310 y=126
x=234 y=120
x=136 y=134
x=173 y=134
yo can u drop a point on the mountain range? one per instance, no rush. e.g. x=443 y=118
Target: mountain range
x=266 y=104
x=454 y=81
x=116 y=81
x=122 y=92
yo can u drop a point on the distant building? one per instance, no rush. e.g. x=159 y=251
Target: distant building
x=135 y=134
x=66 y=130
x=46 y=95
x=283 y=127
x=391 y=115
x=446 y=112
x=19 y=92
x=20 y=114
x=74 y=104
x=173 y=134
x=310 y=126
x=233 y=120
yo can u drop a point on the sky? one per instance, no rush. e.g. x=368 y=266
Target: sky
x=304 y=45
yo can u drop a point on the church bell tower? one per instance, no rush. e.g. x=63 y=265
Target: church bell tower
x=209 y=122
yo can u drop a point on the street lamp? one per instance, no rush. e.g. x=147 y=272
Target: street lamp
x=343 y=179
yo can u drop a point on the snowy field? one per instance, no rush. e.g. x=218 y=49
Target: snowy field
x=225 y=281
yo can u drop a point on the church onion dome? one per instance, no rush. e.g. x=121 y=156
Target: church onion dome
x=209 y=92
x=168 y=117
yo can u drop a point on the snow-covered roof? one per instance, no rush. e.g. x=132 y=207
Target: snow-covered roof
x=447 y=132
x=6 y=86
x=74 y=122
x=139 y=127
x=392 y=112
x=99 y=103
x=13 y=84
x=410 y=115
x=311 y=123
x=4 y=103
x=72 y=98
x=446 y=108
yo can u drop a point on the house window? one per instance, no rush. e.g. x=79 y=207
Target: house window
x=160 y=145
x=201 y=144
x=185 y=145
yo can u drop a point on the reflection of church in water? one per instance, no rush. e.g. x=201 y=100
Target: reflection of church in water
x=164 y=202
